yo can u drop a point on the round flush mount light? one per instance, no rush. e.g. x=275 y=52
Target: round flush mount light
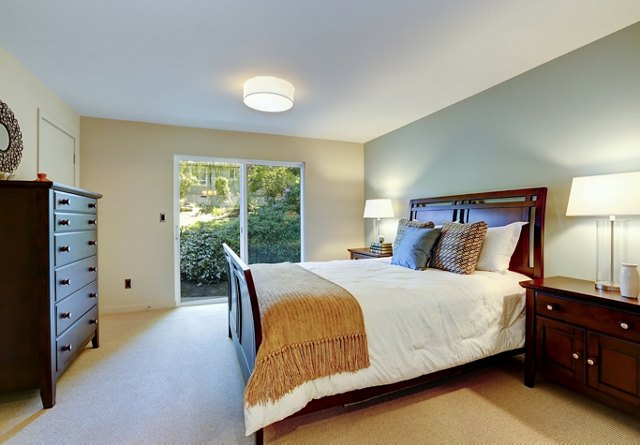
x=269 y=94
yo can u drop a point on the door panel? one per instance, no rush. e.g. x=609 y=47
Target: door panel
x=561 y=348
x=616 y=367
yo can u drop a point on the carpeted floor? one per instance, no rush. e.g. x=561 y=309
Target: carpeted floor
x=171 y=377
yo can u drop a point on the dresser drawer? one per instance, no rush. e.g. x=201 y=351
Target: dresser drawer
x=75 y=276
x=69 y=202
x=75 y=306
x=70 y=222
x=70 y=247
x=75 y=337
x=598 y=318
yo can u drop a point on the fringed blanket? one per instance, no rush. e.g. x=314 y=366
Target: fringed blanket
x=311 y=328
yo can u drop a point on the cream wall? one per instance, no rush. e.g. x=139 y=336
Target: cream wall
x=576 y=115
x=25 y=94
x=131 y=164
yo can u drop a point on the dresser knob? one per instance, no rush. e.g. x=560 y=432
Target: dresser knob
x=93 y=321
x=64 y=222
x=576 y=355
x=64 y=202
x=92 y=222
x=93 y=295
x=551 y=307
x=591 y=361
x=93 y=269
x=66 y=347
x=92 y=205
x=623 y=325
x=65 y=282
x=93 y=243
x=65 y=315
x=65 y=249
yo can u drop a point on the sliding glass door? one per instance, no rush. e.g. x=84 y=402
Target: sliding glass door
x=253 y=206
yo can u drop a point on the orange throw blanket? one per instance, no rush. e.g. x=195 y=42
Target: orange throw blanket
x=311 y=328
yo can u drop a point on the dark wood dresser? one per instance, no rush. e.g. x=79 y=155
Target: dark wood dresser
x=585 y=339
x=48 y=282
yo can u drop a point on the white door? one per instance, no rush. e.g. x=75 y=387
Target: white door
x=56 y=152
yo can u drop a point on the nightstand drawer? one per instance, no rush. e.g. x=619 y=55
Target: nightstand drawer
x=598 y=318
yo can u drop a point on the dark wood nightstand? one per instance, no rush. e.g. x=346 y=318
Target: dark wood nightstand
x=362 y=253
x=585 y=339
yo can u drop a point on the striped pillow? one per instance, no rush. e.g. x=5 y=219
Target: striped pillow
x=459 y=247
x=402 y=227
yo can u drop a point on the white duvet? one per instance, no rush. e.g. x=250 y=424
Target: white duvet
x=417 y=322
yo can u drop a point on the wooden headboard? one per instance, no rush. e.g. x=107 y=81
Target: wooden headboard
x=496 y=209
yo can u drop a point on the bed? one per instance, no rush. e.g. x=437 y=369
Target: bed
x=421 y=326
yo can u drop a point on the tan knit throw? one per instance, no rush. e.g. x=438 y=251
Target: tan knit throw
x=311 y=328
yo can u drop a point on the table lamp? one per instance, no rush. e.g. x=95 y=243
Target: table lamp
x=606 y=195
x=378 y=208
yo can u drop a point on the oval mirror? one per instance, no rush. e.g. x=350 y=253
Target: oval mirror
x=10 y=142
x=4 y=138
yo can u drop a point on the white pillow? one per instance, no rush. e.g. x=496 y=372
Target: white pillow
x=498 y=246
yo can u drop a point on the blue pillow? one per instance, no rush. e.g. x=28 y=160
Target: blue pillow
x=414 y=249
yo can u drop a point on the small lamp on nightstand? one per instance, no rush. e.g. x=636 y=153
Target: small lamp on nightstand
x=378 y=208
x=606 y=195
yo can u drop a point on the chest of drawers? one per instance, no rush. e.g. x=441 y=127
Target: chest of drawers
x=48 y=282
x=585 y=339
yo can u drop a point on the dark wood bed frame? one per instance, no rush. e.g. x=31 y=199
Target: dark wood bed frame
x=497 y=208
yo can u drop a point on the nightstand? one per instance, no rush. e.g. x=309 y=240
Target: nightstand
x=585 y=339
x=362 y=253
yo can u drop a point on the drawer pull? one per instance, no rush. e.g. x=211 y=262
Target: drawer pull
x=64 y=222
x=93 y=295
x=64 y=202
x=92 y=205
x=92 y=222
x=623 y=325
x=576 y=355
x=93 y=269
x=65 y=315
x=65 y=249
x=591 y=361
x=93 y=321
x=551 y=307
x=93 y=243
x=65 y=282
x=66 y=348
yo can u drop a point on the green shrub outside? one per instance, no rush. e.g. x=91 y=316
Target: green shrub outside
x=274 y=236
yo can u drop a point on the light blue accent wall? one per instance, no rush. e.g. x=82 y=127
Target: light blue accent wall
x=576 y=115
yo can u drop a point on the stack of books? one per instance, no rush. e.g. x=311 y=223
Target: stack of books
x=381 y=248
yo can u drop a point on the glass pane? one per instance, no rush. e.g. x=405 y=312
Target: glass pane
x=273 y=213
x=209 y=216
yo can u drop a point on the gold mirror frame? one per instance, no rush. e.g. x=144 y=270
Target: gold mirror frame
x=10 y=156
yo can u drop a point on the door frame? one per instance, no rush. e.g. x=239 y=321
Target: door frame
x=244 y=249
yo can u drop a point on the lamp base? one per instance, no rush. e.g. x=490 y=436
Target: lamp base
x=607 y=286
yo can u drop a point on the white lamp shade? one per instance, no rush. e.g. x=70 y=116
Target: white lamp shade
x=270 y=94
x=605 y=195
x=378 y=208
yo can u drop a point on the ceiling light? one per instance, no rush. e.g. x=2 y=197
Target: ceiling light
x=270 y=94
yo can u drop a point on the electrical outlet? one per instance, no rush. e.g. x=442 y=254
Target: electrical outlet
x=127 y=283
x=163 y=217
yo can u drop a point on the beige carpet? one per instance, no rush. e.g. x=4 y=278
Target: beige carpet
x=171 y=377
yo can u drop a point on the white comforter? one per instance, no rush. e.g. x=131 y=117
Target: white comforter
x=417 y=322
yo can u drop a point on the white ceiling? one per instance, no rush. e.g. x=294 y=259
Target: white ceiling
x=361 y=68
